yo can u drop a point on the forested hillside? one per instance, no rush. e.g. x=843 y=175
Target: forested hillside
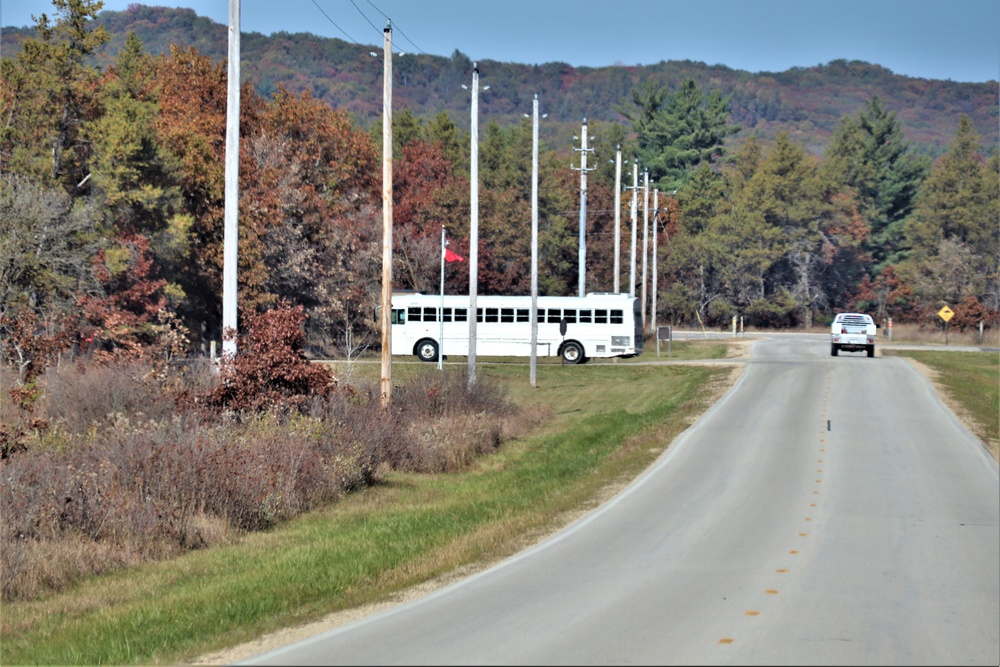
x=780 y=198
x=805 y=102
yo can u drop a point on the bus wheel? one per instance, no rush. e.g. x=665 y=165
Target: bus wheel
x=572 y=353
x=427 y=350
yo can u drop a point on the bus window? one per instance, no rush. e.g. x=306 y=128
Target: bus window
x=523 y=315
x=398 y=316
x=600 y=316
x=446 y=316
x=479 y=314
x=570 y=315
x=430 y=315
x=617 y=317
x=506 y=314
x=553 y=315
x=414 y=314
x=586 y=316
x=492 y=315
x=461 y=315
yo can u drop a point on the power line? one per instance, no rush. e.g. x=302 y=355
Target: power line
x=335 y=24
x=365 y=17
x=395 y=27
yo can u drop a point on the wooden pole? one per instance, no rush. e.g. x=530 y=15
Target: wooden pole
x=386 y=385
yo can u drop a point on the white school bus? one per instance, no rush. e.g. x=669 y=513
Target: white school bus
x=597 y=325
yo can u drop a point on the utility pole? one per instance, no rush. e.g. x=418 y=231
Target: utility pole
x=444 y=245
x=645 y=241
x=387 y=218
x=635 y=207
x=534 y=243
x=618 y=215
x=656 y=252
x=230 y=240
x=474 y=224
x=656 y=220
x=583 y=150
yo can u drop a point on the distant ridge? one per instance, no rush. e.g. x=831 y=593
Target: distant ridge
x=805 y=102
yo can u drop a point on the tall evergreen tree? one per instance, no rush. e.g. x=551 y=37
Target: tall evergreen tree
x=690 y=284
x=677 y=131
x=442 y=130
x=53 y=97
x=505 y=158
x=128 y=168
x=956 y=215
x=701 y=199
x=406 y=128
x=870 y=154
x=957 y=201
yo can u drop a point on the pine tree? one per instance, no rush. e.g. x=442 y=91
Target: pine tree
x=52 y=98
x=677 y=131
x=957 y=201
x=442 y=130
x=129 y=169
x=870 y=154
x=956 y=216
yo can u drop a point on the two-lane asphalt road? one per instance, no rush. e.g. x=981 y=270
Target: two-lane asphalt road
x=825 y=511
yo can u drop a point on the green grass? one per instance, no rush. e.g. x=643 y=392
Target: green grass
x=610 y=421
x=971 y=379
x=679 y=351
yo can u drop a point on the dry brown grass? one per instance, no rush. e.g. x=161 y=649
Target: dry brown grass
x=932 y=334
x=126 y=474
x=453 y=443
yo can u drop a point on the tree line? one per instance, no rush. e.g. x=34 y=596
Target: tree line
x=111 y=206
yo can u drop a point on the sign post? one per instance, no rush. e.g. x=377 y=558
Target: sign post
x=946 y=314
x=664 y=333
x=562 y=332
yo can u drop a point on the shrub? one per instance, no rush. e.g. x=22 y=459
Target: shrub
x=28 y=345
x=81 y=396
x=779 y=311
x=970 y=312
x=156 y=491
x=270 y=370
x=141 y=464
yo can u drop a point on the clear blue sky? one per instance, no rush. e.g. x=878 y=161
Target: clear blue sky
x=936 y=39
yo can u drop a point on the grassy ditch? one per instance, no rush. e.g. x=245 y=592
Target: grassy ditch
x=969 y=382
x=607 y=423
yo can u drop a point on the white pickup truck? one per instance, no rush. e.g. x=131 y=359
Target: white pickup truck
x=852 y=332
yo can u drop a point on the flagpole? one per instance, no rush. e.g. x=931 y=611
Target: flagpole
x=441 y=313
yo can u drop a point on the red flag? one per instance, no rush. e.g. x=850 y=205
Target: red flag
x=449 y=256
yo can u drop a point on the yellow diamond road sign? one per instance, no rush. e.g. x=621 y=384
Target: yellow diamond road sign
x=946 y=313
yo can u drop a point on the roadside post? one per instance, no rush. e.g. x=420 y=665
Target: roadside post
x=562 y=332
x=946 y=314
x=664 y=333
